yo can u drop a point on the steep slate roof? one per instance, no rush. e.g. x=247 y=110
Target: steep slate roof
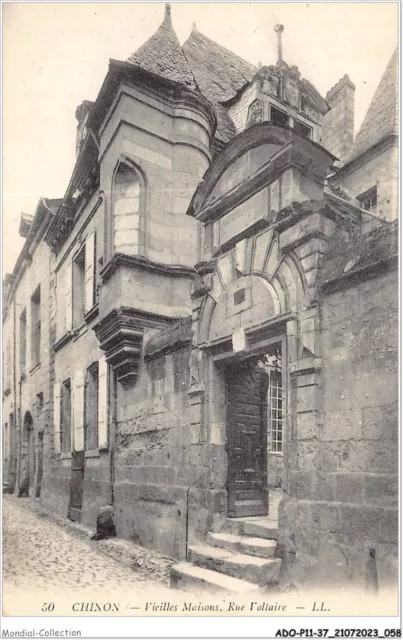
x=381 y=119
x=219 y=74
x=162 y=54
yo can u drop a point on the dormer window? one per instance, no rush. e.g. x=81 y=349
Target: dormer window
x=302 y=130
x=278 y=117
x=369 y=199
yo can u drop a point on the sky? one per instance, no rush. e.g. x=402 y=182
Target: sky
x=55 y=55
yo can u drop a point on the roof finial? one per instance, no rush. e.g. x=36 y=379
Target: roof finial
x=279 y=28
x=167 y=18
x=194 y=27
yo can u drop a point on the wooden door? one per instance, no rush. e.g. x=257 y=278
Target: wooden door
x=77 y=485
x=247 y=440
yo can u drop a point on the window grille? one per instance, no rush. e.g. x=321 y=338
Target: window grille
x=275 y=412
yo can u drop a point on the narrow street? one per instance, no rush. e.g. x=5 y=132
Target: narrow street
x=45 y=559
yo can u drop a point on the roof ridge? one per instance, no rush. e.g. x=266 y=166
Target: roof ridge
x=195 y=31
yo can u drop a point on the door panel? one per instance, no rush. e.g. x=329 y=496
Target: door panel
x=247 y=440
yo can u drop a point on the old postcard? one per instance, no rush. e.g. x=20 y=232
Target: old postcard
x=200 y=319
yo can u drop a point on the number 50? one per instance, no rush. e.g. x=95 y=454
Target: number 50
x=48 y=606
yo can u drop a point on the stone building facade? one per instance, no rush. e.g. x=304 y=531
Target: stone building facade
x=218 y=315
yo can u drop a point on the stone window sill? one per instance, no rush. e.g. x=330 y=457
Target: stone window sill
x=77 y=333
x=62 y=341
x=92 y=313
x=35 y=368
x=92 y=453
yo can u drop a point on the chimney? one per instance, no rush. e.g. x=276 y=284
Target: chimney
x=338 y=123
x=82 y=113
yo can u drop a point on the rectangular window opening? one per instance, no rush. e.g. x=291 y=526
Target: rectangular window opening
x=23 y=341
x=36 y=327
x=79 y=288
x=369 y=199
x=278 y=117
x=302 y=130
x=65 y=416
x=91 y=408
x=275 y=413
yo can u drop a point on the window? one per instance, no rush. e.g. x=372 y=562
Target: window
x=84 y=281
x=7 y=366
x=5 y=443
x=278 y=117
x=11 y=436
x=36 y=327
x=302 y=129
x=23 y=341
x=126 y=211
x=39 y=402
x=275 y=412
x=369 y=199
x=65 y=416
x=78 y=275
x=91 y=408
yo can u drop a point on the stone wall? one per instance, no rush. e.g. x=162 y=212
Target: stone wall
x=381 y=170
x=338 y=524
x=159 y=453
x=79 y=351
x=170 y=149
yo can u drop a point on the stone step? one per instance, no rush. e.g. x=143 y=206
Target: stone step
x=260 y=547
x=258 y=528
x=189 y=577
x=261 y=571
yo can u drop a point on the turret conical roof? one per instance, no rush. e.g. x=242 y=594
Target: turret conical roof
x=381 y=119
x=163 y=55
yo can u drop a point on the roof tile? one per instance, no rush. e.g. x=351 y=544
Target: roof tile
x=162 y=54
x=219 y=74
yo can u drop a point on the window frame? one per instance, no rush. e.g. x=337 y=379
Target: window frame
x=78 y=278
x=368 y=196
x=36 y=327
x=143 y=200
x=23 y=342
x=66 y=384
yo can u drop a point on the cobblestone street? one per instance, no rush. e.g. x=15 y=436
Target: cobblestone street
x=40 y=556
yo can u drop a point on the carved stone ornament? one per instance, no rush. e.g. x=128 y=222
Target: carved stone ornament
x=255 y=113
x=309 y=112
x=291 y=91
x=121 y=338
x=269 y=82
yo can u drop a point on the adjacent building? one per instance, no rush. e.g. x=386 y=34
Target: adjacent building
x=206 y=323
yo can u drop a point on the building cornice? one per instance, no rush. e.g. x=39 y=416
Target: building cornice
x=138 y=262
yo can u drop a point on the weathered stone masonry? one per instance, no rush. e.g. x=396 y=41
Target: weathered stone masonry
x=205 y=230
